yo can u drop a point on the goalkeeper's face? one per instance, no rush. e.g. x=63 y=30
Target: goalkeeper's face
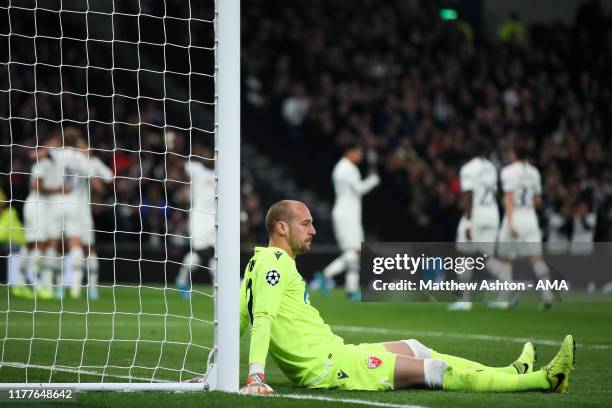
x=301 y=230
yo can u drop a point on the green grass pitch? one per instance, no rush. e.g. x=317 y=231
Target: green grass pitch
x=490 y=337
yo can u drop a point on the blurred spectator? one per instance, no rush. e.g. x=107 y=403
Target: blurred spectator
x=512 y=30
x=584 y=221
x=295 y=106
x=559 y=228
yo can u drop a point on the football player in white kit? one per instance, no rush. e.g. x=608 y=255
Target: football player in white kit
x=346 y=219
x=201 y=217
x=478 y=228
x=74 y=212
x=520 y=234
x=43 y=184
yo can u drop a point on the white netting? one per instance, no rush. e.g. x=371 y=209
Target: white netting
x=136 y=80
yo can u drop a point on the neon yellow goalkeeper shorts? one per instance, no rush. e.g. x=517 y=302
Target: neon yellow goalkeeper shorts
x=365 y=367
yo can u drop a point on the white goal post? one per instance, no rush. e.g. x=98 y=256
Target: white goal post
x=228 y=207
x=152 y=329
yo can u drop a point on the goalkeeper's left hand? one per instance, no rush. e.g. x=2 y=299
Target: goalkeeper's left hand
x=256 y=385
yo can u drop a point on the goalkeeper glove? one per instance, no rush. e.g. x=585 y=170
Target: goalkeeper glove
x=256 y=382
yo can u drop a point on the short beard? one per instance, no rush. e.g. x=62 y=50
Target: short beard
x=295 y=247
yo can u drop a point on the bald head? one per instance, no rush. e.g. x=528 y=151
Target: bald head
x=290 y=226
x=280 y=211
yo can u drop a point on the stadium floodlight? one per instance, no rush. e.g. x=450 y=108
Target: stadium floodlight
x=131 y=77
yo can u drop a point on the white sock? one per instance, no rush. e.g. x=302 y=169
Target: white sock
x=419 y=350
x=93 y=269
x=51 y=263
x=499 y=269
x=190 y=261
x=351 y=284
x=336 y=267
x=503 y=272
x=543 y=273
x=434 y=372
x=19 y=278
x=46 y=279
x=65 y=270
x=36 y=262
x=77 y=259
x=43 y=279
x=59 y=281
x=465 y=277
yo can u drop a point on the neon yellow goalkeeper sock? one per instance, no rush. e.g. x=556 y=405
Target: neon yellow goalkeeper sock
x=459 y=362
x=462 y=379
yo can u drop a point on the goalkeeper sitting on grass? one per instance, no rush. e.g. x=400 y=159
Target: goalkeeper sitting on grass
x=273 y=299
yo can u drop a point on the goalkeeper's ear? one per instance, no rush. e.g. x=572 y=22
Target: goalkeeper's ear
x=282 y=228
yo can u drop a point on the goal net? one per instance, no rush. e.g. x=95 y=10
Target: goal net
x=119 y=201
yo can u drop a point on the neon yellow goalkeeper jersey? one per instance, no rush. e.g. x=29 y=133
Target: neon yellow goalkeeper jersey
x=274 y=300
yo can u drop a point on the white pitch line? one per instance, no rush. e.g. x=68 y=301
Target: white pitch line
x=344 y=400
x=291 y=396
x=484 y=337
x=378 y=330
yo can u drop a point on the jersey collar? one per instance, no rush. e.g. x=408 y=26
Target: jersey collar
x=275 y=250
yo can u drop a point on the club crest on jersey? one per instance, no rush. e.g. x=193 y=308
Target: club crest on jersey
x=374 y=362
x=272 y=277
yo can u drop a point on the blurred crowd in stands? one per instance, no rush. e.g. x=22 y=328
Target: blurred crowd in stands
x=418 y=89
x=412 y=87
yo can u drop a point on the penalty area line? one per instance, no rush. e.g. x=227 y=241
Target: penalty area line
x=483 y=337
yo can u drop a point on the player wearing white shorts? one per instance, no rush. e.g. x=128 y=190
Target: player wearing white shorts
x=43 y=184
x=478 y=228
x=346 y=218
x=520 y=234
x=74 y=213
x=201 y=218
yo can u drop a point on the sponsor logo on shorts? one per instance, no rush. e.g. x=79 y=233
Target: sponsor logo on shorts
x=374 y=362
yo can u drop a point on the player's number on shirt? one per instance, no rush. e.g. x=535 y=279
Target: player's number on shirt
x=488 y=195
x=522 y=196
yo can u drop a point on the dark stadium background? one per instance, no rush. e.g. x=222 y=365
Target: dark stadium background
x=393 y=74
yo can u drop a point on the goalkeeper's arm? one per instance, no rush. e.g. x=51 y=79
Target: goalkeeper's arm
x=266 y=303
x=260 y=341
